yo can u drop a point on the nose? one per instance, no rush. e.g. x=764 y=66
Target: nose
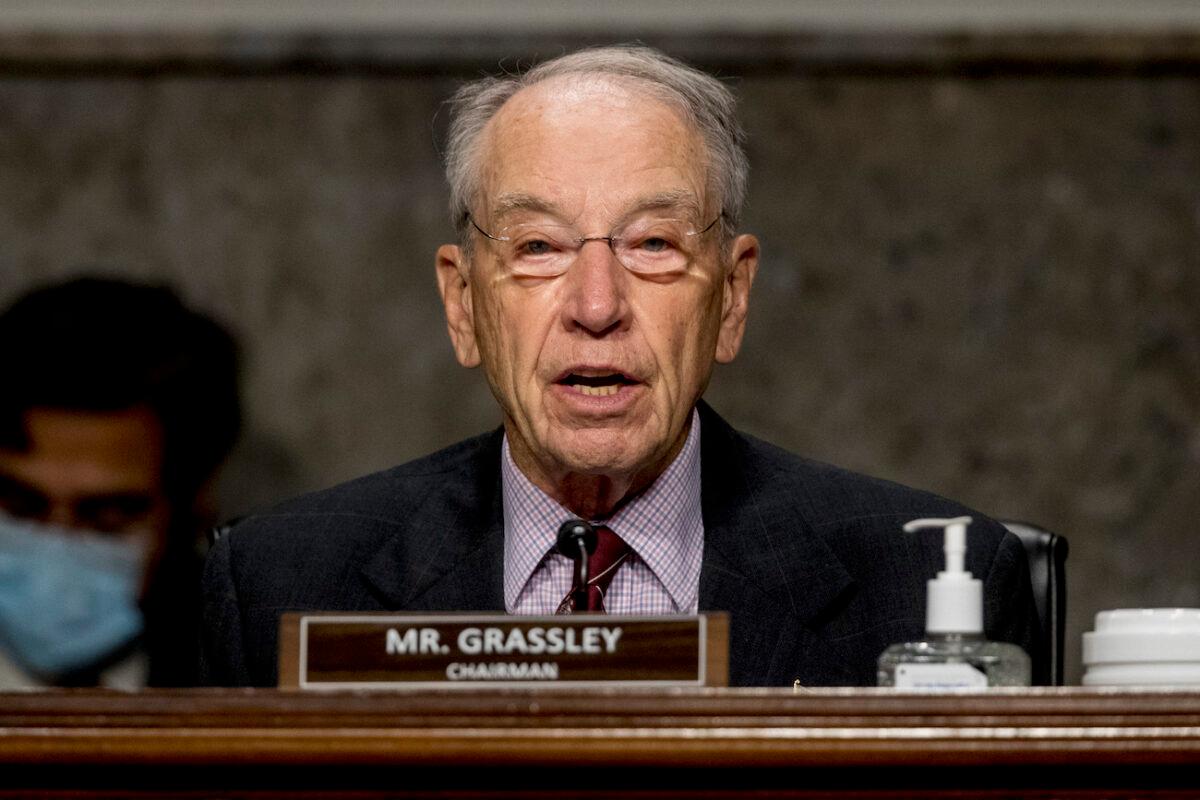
x=596 y=286
x=60 y=514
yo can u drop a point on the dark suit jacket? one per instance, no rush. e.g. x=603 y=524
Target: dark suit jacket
x=808 y=559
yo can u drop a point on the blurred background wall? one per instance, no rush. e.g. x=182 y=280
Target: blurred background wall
x=981 y=231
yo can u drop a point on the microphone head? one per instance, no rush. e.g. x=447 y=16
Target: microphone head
x=571 y=533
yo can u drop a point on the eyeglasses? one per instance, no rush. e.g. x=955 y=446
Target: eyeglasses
x=645 y=245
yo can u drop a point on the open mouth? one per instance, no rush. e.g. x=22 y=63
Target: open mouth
x=604 y=385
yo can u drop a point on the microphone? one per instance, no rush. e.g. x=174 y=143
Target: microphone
x=576 y=541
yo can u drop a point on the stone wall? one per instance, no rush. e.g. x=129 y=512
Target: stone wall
x=978 y=278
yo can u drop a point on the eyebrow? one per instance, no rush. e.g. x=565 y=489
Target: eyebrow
x=12 y=484
x=12 y=488
x=515 y=202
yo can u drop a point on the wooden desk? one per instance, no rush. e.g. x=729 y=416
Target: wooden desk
x=687 y=743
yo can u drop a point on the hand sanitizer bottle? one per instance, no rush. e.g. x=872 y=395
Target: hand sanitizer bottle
x=954 y=654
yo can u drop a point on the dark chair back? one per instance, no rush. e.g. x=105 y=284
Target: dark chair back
x=218 y=532
x=1047 y=553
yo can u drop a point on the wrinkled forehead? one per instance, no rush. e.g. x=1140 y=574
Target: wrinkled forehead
x=573 y=143
x=75 y=452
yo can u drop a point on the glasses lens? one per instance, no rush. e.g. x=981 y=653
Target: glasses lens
x=656 y=246
x=649 y=245
x=538 y=249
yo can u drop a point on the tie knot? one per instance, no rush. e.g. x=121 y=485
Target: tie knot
x=603 y=563
x=610 y=551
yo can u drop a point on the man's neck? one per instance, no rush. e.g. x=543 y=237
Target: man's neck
x=597 y=496
x=592 y=497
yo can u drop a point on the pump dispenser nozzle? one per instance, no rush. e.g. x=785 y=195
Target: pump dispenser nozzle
x=955 y=598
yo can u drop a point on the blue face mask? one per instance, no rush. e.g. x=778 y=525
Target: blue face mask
x=67 y=599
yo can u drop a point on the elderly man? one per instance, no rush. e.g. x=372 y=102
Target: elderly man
x=597 y=277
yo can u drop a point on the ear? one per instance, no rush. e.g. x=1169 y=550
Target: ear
x=455 y=288
x=736 y=298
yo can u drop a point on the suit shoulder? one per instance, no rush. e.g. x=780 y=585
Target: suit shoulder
x=454 y=475
x=832 y=498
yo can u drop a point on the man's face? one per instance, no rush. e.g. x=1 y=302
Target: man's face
x=596 y=369
x=98 y=471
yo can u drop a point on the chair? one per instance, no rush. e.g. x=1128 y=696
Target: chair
x=1047 y=554
x=218 y=532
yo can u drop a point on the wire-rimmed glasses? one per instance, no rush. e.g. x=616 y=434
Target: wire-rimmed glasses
x=647 y=245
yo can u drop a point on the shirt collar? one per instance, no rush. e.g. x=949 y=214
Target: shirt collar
x=663 y=524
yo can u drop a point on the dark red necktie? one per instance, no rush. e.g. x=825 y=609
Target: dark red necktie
x=609 y=554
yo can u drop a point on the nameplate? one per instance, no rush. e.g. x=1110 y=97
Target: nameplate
x=391 y=651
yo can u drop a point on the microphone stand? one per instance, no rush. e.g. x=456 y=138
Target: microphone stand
x=576 y=541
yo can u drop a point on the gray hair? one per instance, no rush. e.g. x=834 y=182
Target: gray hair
x=704 y=101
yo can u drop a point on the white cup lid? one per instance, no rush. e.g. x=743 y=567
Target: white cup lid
x=1141 y=635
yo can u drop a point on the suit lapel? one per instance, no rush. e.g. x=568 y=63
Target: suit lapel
x=449 y=554
x=471 y=581
x=766 y=567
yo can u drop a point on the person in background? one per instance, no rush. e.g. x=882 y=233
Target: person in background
x=118 y=407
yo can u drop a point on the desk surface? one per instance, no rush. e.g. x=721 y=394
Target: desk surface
x=715 y=742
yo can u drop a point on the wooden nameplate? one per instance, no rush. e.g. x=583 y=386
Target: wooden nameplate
x=335 y=650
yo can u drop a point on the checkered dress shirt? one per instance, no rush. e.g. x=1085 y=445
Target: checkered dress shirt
x=663 y=525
